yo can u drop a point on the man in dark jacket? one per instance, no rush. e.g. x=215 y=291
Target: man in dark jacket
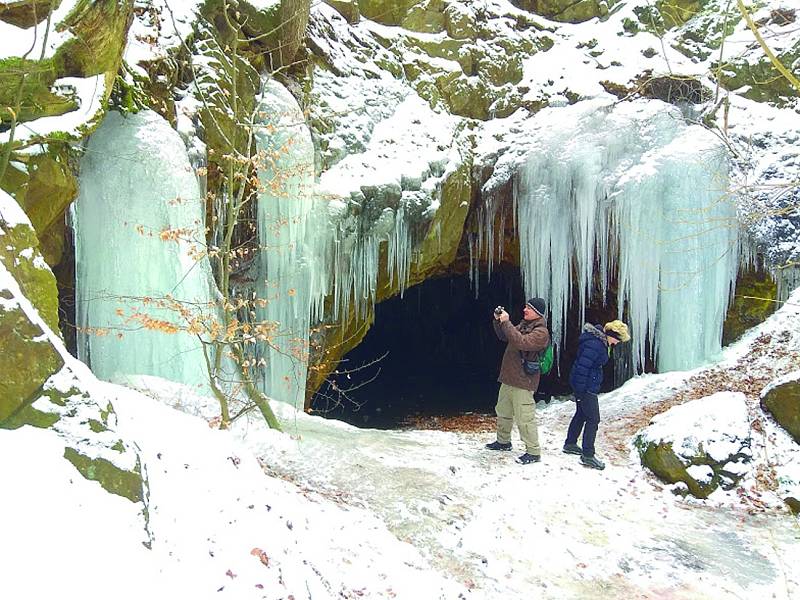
x=515 y=398
x=586 y=376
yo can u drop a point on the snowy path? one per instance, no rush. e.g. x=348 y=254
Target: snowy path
x=555 y=528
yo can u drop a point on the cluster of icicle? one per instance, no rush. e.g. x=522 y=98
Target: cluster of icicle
x=628 y=196
x=138 y=185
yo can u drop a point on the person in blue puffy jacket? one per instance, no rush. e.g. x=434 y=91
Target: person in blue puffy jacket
x=585 y=378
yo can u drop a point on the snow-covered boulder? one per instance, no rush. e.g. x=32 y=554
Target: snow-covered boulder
x=704 y=443
x=42 y=386
x=781 y=399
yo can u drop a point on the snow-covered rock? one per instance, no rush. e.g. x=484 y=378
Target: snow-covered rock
x=704 y=443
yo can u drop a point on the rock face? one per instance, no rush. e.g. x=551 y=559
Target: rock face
x=753 y=303
x=782 y=400
x=701 y=445
x=37 y=386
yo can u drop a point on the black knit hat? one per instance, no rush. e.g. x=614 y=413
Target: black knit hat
x=538 y=305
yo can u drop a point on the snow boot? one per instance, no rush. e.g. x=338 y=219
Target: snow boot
x=572 y=449
x=527 y=459
x=498 y=446
x=592 y=462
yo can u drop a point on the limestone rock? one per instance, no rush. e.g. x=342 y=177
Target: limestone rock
x=781 y=399
x=703 y=444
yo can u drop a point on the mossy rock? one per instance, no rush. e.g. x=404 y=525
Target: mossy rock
x=566 y=11
x=677 y=12
x=764 y=82
x=460 y=23
x=783 y=403
x=36 y=97
x=752 y=304
x=439 y=247
x=26 y=13
x=226 y=77
x=438 y=48
x=46 y=192
x=426 y=17
x=468 y=97
x=662 y=461
x=500 y=68
x=387 y=12
x=99 y=29
x=347 y=8
x=28 y=360
x=127 y=484
x=19 y=254
x=270 y=34
x=793 y=504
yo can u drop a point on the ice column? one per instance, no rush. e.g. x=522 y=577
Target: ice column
x=139 y=233
x=631 y=194
x=292 y=236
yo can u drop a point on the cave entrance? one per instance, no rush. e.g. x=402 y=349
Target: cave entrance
x=431 y=353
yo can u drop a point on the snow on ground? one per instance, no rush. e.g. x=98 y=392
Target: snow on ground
x=431 y=514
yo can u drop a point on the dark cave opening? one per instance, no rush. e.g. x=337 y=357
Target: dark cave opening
x=431 y=353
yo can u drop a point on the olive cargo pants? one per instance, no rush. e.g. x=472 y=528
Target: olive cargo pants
x=516 y=404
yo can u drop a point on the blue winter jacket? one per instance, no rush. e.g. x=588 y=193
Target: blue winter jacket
x=587 y=370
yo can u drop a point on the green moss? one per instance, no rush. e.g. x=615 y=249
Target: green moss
x=127 y=484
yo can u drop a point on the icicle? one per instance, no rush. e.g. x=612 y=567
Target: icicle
x=139 y=242
x=293 y=237
x=636 y=179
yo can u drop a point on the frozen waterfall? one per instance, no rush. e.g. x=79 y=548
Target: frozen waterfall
x=293 y=236
x=143 y=283
x=630 y=197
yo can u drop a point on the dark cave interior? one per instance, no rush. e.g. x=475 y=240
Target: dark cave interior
x=431 y=353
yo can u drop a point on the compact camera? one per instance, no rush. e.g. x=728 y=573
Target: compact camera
x=498 y=310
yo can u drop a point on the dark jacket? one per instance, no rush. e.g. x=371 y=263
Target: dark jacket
x=587 y=370
x=528 y=336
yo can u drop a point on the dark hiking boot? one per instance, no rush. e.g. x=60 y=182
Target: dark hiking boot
x=572 y=449
x=592 y=462
x=527 y=459
x=498 y=446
